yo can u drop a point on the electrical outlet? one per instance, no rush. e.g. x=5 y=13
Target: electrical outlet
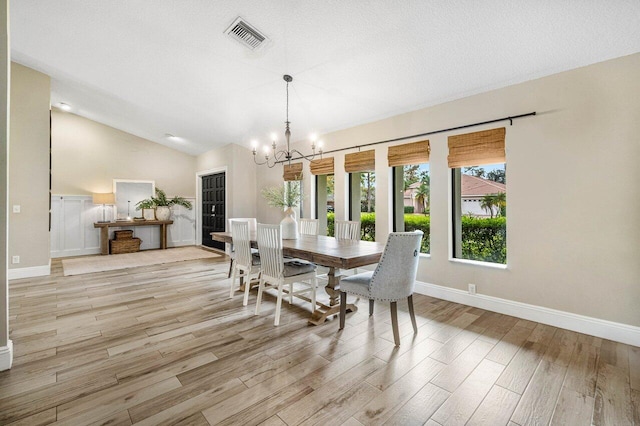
x=16 y=208
x=472 y=289
x=15 y=259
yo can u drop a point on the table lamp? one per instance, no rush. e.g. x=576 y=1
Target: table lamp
x=108 y=198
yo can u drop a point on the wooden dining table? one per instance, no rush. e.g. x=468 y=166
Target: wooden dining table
x=335 y=254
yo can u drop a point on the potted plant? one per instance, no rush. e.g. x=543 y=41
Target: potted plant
x=285 y=197
x=162 y=204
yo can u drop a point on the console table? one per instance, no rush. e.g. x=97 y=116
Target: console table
x=104 y=230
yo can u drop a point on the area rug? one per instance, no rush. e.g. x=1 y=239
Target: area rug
x=88 y=265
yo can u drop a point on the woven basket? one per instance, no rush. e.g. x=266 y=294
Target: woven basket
x=126 y=234
x=125 y=246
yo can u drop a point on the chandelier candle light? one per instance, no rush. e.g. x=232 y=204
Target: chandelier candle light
x=283 y=155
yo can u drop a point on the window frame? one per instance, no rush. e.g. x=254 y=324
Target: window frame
x=355 y=197
x=397 y=176
x=321 y=199
x=456 y=223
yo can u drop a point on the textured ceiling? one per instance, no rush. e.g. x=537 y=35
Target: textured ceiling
x=152 y=67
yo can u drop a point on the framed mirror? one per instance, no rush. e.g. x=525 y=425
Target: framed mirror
x=129 y=193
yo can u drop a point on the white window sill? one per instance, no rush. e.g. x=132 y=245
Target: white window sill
x=479 y=263
x=427 y=255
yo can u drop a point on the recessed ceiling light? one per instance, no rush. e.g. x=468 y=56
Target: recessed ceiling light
x=64 y=107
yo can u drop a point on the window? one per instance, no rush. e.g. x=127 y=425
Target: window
x=325 y=202
x=362 y=191
x=411 y=188
x=479 y=196
x=412 y=201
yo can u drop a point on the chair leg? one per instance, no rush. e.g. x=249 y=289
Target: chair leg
x=279 y=303
x=233 y=283
x=230 y=268
x=291 y=293
x=412 y=314
x=343 y=308
x=370 y=307
x=260 y=289
x=247 y=287
x=394 y=323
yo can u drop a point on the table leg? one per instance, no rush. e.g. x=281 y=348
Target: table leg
x=163 y=236
x=104 y=240
x=321 y=314
x=333 y=287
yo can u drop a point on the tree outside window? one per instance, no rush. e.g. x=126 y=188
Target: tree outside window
x=412 y=202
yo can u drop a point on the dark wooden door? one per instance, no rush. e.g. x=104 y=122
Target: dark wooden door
x=213 y=208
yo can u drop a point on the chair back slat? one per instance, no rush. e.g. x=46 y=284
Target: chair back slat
x=241 y=242
x=347 y=230
x=270 y=247
x=253 y=222
x=309 y=226
x=395 y=275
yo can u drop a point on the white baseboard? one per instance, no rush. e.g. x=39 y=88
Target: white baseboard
x=75 y=252
x=6 y=356
x=34 y=271
x=582 y=324
x=181 y=243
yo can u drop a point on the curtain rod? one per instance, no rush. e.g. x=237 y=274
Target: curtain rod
x=510 y=118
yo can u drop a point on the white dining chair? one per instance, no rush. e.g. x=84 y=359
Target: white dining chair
x=245 y=263
x=275 y=273
x=347 y=230
x=253 y=225
x=393 y=279
x=309 y=226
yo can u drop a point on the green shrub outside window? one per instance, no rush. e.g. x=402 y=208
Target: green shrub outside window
x=484 y=239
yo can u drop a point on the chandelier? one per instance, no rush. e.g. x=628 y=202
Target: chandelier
x=284 y=155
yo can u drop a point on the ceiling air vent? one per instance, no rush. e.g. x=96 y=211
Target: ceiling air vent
x=246 y=34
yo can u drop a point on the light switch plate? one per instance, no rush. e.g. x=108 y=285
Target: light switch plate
x=16 y=208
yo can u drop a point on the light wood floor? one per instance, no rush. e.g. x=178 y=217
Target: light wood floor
x=165 y=345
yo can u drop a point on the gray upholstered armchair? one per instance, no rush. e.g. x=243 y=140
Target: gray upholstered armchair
x=393 y=279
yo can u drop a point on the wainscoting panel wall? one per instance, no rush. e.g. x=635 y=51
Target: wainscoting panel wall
x=72 y=231
x=73 y=234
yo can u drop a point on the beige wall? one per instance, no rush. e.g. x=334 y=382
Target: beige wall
x=240 y=177
x=4 y=173
x=573 y=223
x=29 y=167
x=87 y=156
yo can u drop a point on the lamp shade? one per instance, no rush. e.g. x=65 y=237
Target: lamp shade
x=108 y=198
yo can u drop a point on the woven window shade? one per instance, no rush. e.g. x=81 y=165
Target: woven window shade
x=478 y=148
x=364 y=161
x=408 y=153
x=292 y=172
x=322 y=167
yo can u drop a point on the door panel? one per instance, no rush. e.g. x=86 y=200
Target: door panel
x=213 y=208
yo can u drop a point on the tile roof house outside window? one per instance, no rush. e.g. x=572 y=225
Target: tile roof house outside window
x=411 y=198
x=473 y=188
